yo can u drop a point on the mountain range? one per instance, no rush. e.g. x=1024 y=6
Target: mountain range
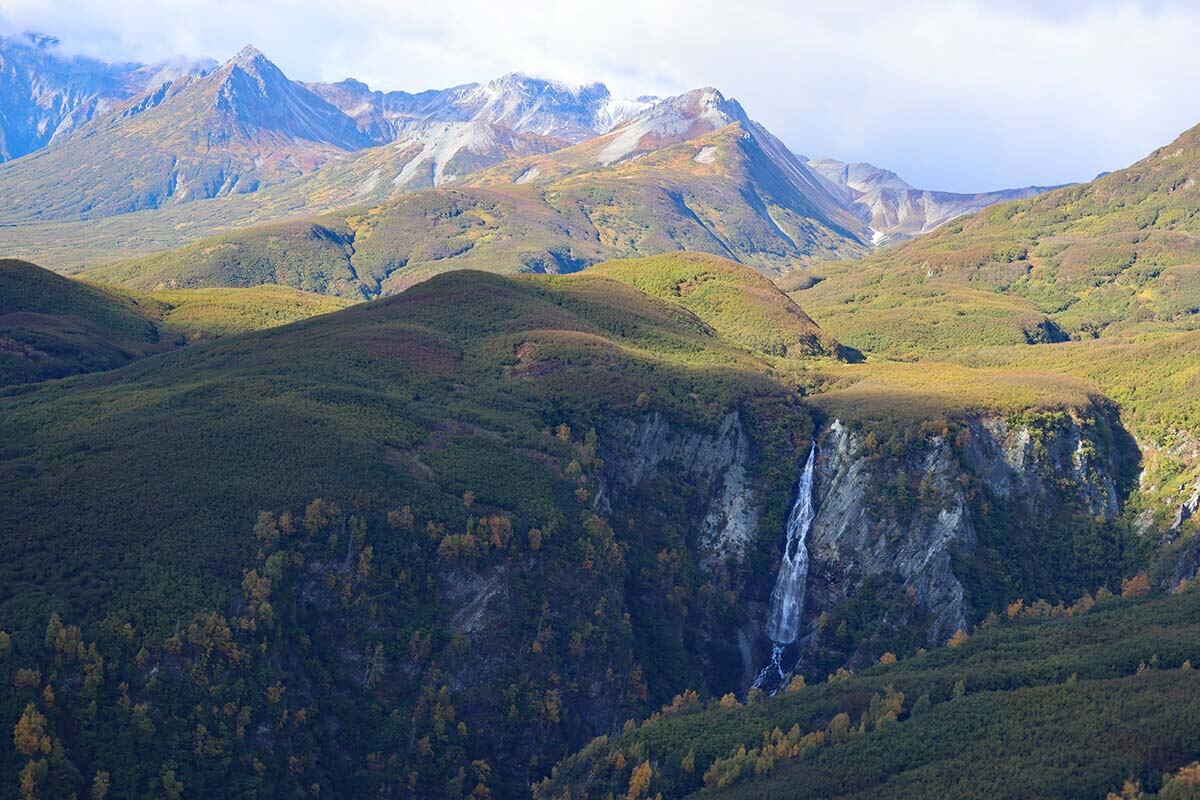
x=894 y=209
x=45 y=96
x=223 y=133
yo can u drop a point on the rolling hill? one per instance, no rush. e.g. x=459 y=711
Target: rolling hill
x=52 y=327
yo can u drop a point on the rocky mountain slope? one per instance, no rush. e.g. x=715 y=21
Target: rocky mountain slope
x=692 y=173
x=228 y=132
x=518 y=102
x=437 y=136
x=46 y=95
x=895 y=210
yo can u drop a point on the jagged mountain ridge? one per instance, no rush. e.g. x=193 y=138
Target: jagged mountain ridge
x=229 y=131
x=45 y=95
x=894 y=209
x=433 y=137
x=328 y=145
x=515 y=101
x=245 y=126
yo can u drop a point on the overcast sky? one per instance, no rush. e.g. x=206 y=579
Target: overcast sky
x=961 y=96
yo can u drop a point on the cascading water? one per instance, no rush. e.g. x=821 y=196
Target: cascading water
x=787 y=599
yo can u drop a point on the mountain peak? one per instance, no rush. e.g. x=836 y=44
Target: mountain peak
x=858 y=175
x=248 y=53
x=523 y=80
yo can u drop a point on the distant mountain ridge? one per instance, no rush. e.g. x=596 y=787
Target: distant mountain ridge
x=259 y=147
x=245 y=125
x=515 y=101
x=46 y=95
x=228 y=131
x=896 y=210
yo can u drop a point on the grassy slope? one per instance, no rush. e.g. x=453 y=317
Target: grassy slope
x=208 y=313
x=1051 y=708
x=51 y=326
x=742 y=306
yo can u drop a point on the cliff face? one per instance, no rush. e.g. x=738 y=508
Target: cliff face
x=931 y=531
x=913 y=532
x=716 y=464
x=854 y=538
x=927 y=518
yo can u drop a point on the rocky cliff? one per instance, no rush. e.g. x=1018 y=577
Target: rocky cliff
x=967 y=517
x=715 y=463
x=917 y=533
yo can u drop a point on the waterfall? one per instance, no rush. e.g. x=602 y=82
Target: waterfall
x=787 y=599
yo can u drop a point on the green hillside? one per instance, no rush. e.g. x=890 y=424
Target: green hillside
x=52 y=327
x=1114 y=256
x=1050 y=705
x=741 y=306
x=208 y=313
x=364 y=552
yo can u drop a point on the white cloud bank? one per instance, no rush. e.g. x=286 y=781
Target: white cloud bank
x=952 y=95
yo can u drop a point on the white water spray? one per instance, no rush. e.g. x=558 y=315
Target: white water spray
x=787 y=599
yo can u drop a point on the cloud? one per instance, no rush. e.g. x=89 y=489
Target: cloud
x=952 y=95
